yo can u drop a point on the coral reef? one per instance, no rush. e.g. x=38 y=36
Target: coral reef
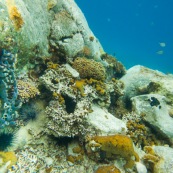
x=72 y=98
x=91 y=114
x=137 y=130
x=89 y=68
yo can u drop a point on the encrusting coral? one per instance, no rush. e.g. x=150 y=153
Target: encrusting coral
x=108 y=169
x=89 y=68
x=79 y=84
x=112 y=146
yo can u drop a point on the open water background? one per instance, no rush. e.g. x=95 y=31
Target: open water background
x=132 y=30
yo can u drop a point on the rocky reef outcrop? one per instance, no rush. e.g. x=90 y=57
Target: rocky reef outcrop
x=68 y=106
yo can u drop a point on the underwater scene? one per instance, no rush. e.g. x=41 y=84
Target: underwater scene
x=86 y=87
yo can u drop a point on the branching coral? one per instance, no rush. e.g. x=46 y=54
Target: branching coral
x=79 y=84
x=89 y=68
x=151 y=158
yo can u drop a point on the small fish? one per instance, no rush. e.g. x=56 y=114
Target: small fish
x=162 y=44
x=160 y=52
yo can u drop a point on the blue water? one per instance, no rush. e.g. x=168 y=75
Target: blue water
x=132 y=30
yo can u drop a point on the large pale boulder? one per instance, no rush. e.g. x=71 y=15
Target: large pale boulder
x=43 y=27
x=165 y=165
x=105 y=122
x=155 y=112
x=141 y=80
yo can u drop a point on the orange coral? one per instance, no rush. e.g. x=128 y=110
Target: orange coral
x=16 y=17
x=59 y=97
x=86 y=51
x=108 y=169
x=79 y=84
x=99 y=85
x=115 y=145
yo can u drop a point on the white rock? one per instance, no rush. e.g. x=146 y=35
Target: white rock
x=73 y=72
x=104 y=121
x=139 y=76
x=165 y=165
x=140 y=168
x=3 y=169
x=49 y=161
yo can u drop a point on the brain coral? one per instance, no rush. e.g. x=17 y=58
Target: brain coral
x=89 y=68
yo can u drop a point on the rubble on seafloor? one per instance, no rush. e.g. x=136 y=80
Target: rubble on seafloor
x=67 y=106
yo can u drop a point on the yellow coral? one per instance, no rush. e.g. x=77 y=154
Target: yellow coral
x=51 y=65
x=8 y=156
x=114 y=145
x=99 y=85
x=79 y=84
x=51 y=4
x=89 y=68
x=100 y=89
x=15 y=15
x=108 y=169
x=59 y=97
